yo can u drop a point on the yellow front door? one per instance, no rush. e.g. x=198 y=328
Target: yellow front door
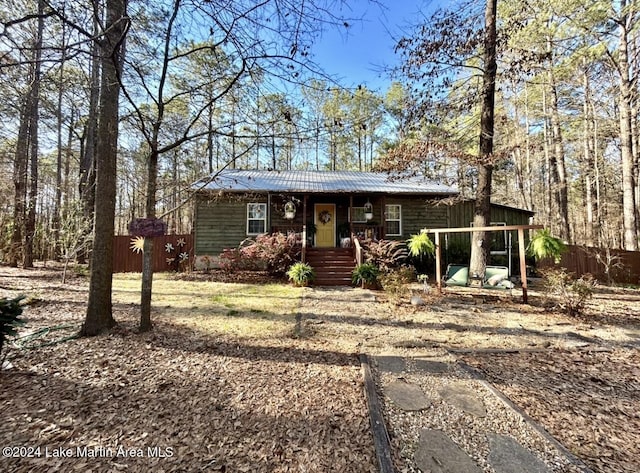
x=325 y=220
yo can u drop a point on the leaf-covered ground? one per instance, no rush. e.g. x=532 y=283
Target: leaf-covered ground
x=182 y=398
x=265 y=377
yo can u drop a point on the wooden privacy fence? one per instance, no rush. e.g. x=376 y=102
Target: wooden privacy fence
x=624 y=266
x=170 y=253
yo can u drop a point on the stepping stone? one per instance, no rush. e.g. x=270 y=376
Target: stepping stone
x=463 y=398
x=437 y=453
x=508 y=456
x=430 y=366
x=407 y=396
x=390 y=364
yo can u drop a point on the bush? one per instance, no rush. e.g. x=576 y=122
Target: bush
x=543 y=245
x=301 y=274
x=386 y=254
x=365 y=274
x=421 y=251
x=275 y=253
x=10 y=311
x=234 y=259
x=572 y=293
x=396 y=282
x=421 y=246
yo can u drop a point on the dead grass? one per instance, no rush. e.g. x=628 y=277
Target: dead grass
x=245 y=311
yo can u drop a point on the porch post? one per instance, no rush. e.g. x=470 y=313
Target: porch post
x=523 y=265
x=303 y=255
x=351 y=216
x=269 y=213
x=383 y=229
x=438 y=263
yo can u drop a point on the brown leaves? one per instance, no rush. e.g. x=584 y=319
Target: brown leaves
x=590 y=401
x=208 y=402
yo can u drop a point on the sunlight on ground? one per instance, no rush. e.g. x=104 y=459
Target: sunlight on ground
x=246 y=310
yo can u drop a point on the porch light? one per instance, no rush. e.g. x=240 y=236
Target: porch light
x=289 y=210
x=368 y=210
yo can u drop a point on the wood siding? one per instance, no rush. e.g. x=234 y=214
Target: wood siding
x=417 y=214
x=221 y=223
x=457 y=246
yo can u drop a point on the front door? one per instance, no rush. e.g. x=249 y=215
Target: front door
x=325 y=220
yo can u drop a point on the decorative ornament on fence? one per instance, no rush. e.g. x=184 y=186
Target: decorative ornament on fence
x=147 y=227
x=137 y=244
x=177 y=256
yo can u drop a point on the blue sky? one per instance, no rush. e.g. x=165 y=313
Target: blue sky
x=358 y=55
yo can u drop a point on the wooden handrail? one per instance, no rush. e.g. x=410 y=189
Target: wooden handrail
x=357 y=249
x=303 y=254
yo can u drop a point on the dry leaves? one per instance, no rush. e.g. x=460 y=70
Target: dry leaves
x=588 y=400
x=178 y=399
x=286 y=403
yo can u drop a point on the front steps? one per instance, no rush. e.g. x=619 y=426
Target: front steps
x=333 y=266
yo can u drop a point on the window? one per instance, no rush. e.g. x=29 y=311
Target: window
x=357 y=215
x=393 y=217
x=256 y=219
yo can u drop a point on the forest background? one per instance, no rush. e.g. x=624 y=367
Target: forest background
x=209 y=85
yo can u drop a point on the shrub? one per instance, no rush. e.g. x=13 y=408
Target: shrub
x=10 y=311
x=544 y=245
x=365 y=274
x=275 y=253
x=386 y=254
x=235 y=259
x=421 y=246
x=396 y=282
x=572 y=293
x=301 y=274
x=421 y=251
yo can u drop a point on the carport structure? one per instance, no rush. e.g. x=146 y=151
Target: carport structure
x=521 y=248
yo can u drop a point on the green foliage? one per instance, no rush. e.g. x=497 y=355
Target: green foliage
x=396 y=282
x=365 y=274
x=10 y=311
x=421 y=245
x=544 y=245
x=573 y=293
x=386 y=254
x=301 y=274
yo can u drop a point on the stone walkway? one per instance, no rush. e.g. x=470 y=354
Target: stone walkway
x=435 y=450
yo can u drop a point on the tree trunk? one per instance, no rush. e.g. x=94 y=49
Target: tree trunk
x=57 y=210
x=480 y=243
x=562 y=194
x=99 y=309
x=147 y=256
x=20 y=183
x=87 y=185
x=628 y=185
x=588 y=170
x=560 y=174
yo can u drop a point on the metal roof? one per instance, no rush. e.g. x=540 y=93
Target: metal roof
x=235 y=180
